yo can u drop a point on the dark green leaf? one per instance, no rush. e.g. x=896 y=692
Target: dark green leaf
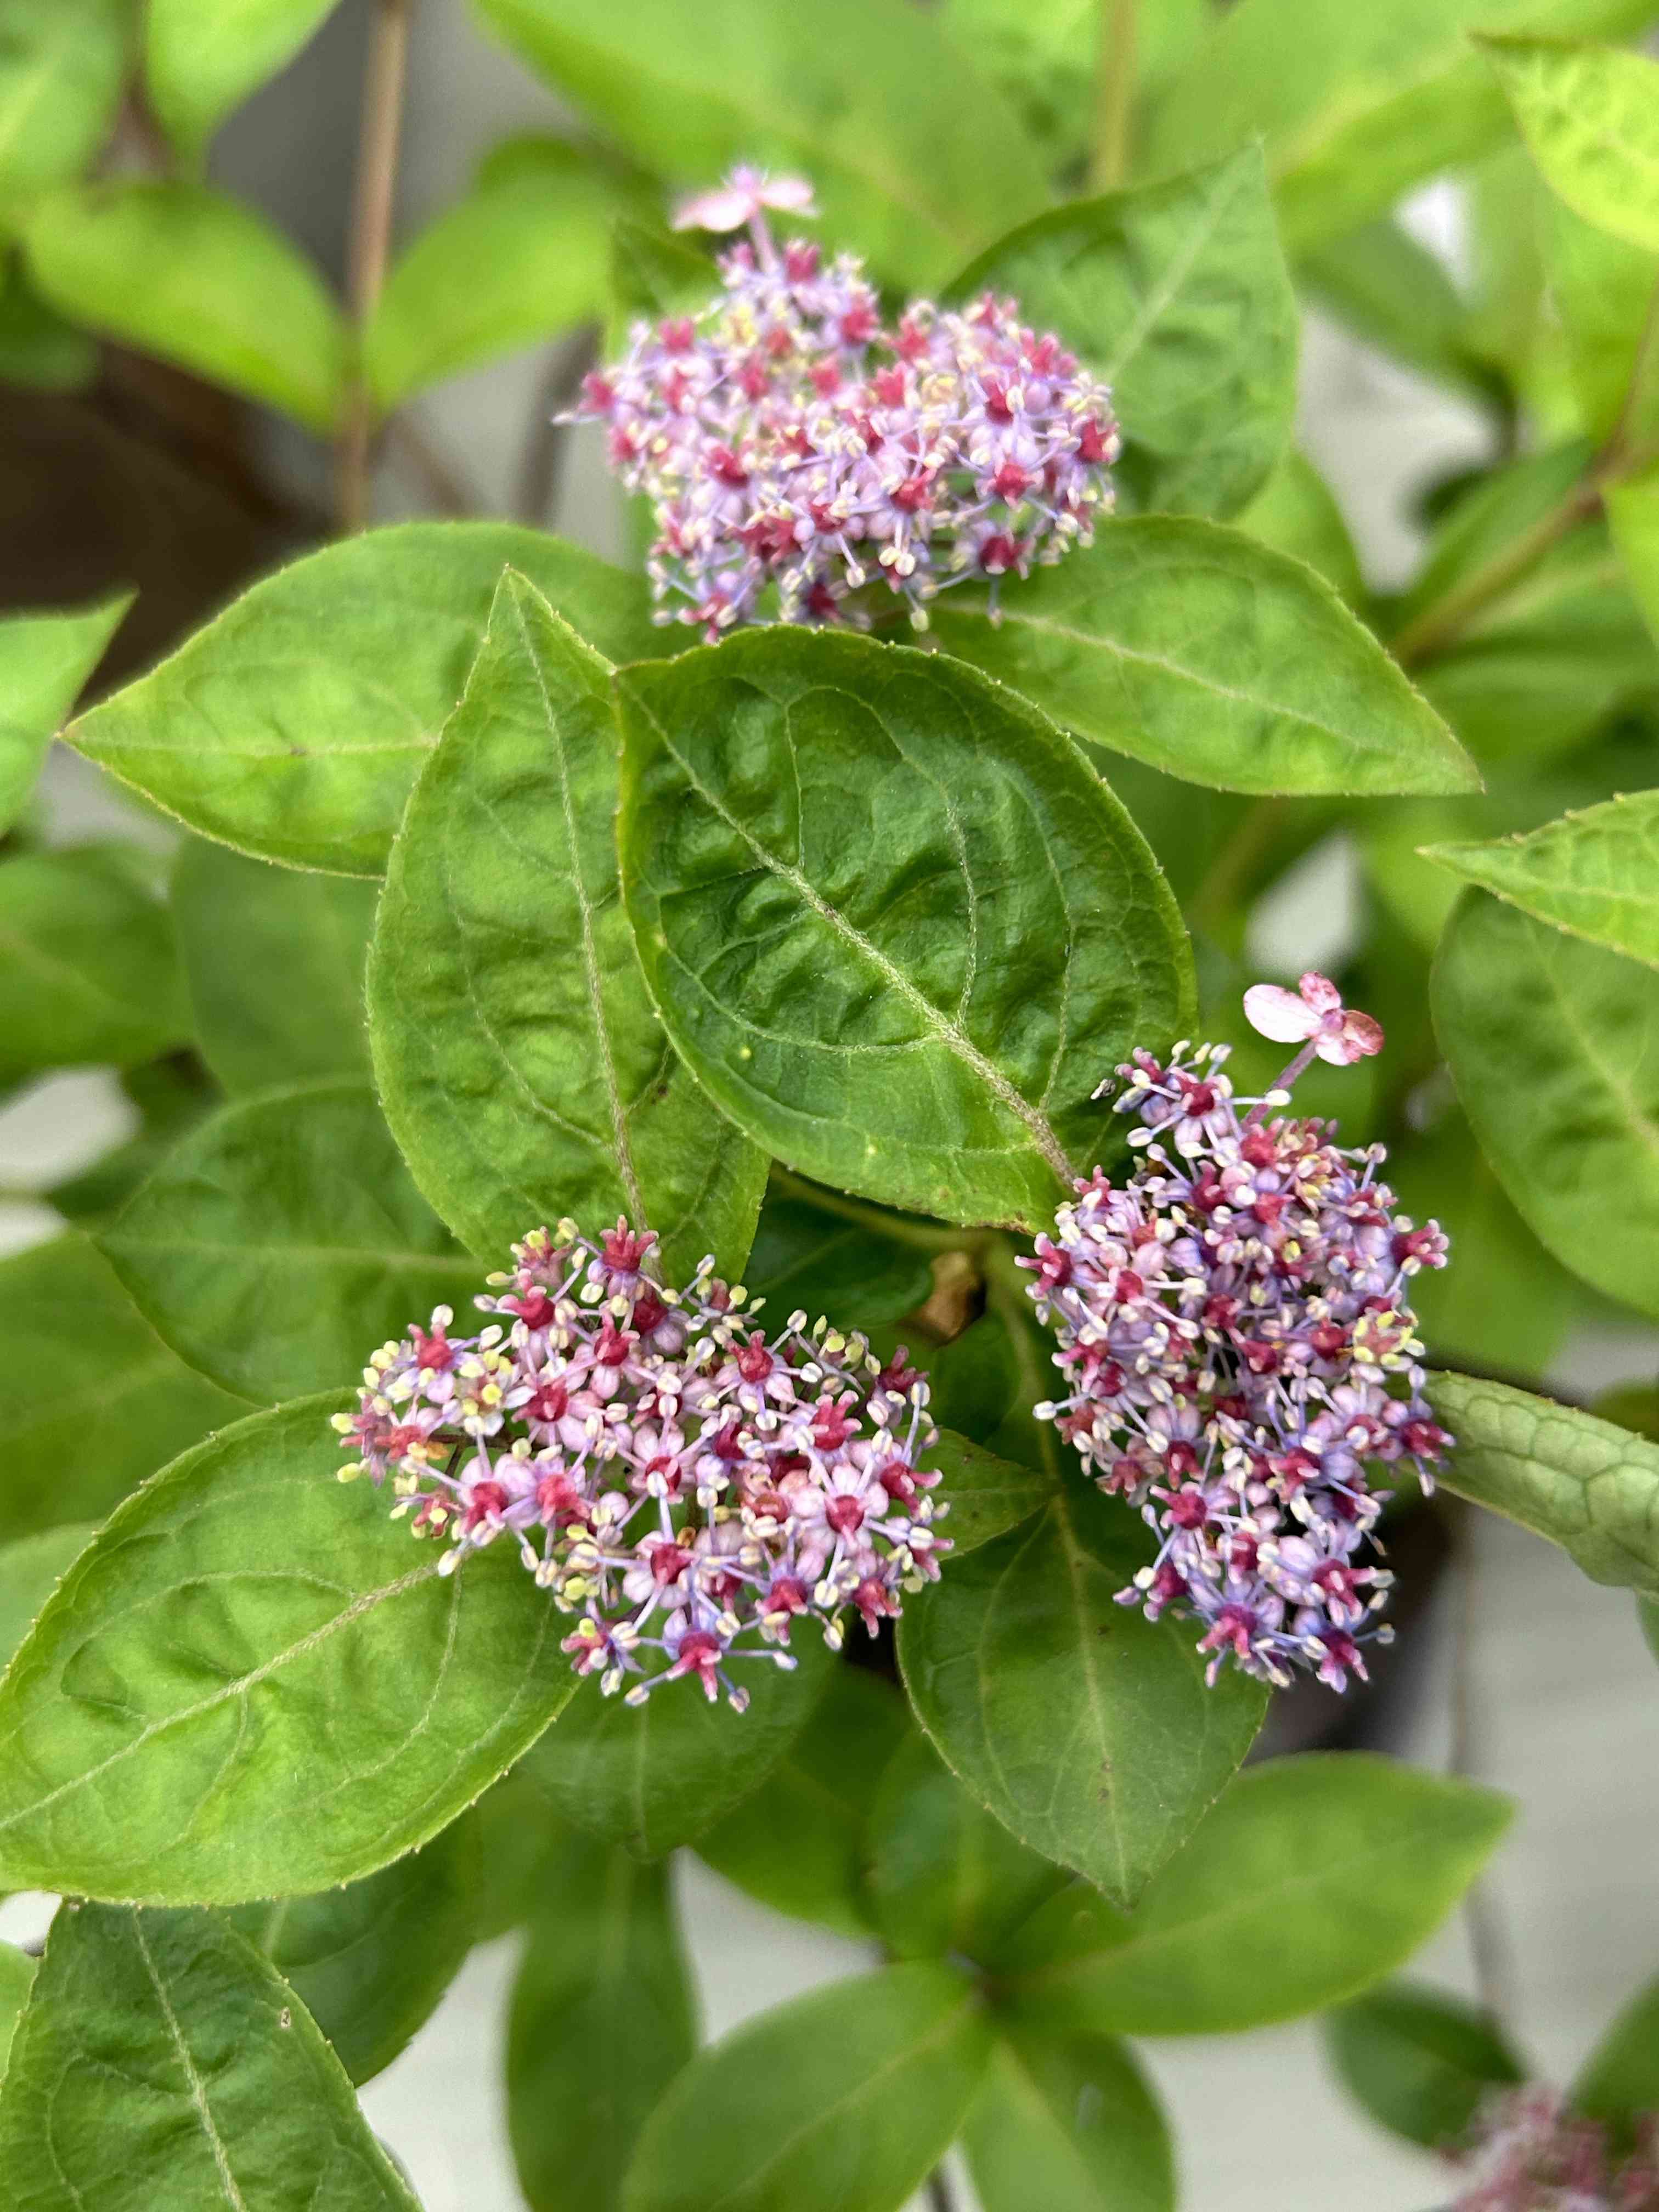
x=202 y=58
x=1070 y=2123
x=61 y=69
x=40 y=349
x=1590 y=116
x=253 y=1684
x=283 y=1240
x=1294 y=512
x=294 y=725
x=891 y=918
x=1595 y=874
x=1586 y=1484
x=522 y=1838
x=30 y=1569
x=370 y=1961
x=988 y=1496
x=839 y=2102
x=16 y=1979
x=171 y=1095
x=603 y=2018
x=1194 y=648
x=520 y=1063
x=163 y=2062
x=814 y=1252
x=1177 y=295
x=1419 y=2061
x=1619 y=2083
x=45 y=660
x=1312 y=1878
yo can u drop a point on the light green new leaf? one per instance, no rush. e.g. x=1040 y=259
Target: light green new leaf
x=370 y=1961
x=1313 y=1877
x=255 y=1683
x=1553 y=1045
x=1619 y=2081
x=1177 y=295
x=16 y=1979
x=198 y=278
x=1584 y=1484
x=813 y=1251
x=1294 y=512
x=1070 y=2123
x=45 y=660
x=1603 y=289
x=30 y=1569
x=1086 y=1728
x=1590 y=116
x=61 y=70
x=71 y=1456
x=282 y=1241
x=603 y=2018
x=890 y=916
x=842 y=2101
x=522 y=1068
x=1194 y=648
x=89 y=973
x=832 y=87
x=1595 y=874
x=203 y=58
x=1419 y=2062
x=654 y=273
x=274 y=964
x=163 y=2061
x=1633 y=518
x=295 y=723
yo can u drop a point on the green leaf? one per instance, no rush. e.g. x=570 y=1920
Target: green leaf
x=370 y=1961
x=892 y=920
x=198 y=278
x=1602 y=290
x=1619 y=2081
x=295 y=723
x=1069 y=2122
x=38 y=348
x=829 y=87
x=655 y=1776
x=797 y=1843
x=1632 y=510
x=1314 y=1877
x=988 y=1496
x=72 y=1455
x=1043 y=59
x=282 y=1241
x=1591 y=117
x=813 y=1251
x=44 y=661
x=521 y=1066
x=1419 y=2062
x=1647 y=1609
x=1553 y=1045
x=163 y=2061
x=521 y=256
x=1595 y=874
x=30 y=1569
x=88 y=973
x=1584 y=1484
x=202 y=58
x=842 y=2101
x=603 y=2018
x=253 y=1684
x=654 y=273
x=1294 y=512
x=16 y=1979
x=274 y=964
x=1388 y=289
x=1085 y=1729
x=61 y=70
x=1177 y=295
x=1194 y=648
x=171 y=1096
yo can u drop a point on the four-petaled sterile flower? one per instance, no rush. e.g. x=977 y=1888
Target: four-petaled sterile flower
x=1314 y=1013
x=686 y=1485
x=1529 y=2152
x=744 y=198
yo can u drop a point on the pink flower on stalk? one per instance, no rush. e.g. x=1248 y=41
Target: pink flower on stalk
x=742 y=198
x=1314 y=1014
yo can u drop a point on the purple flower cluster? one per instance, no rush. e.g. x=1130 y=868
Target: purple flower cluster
x=1531 y=2154
x=684 y=1484
x=796 y=450
x=1238 y=1349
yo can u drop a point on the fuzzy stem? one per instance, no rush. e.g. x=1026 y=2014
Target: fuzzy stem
x=1115 y=90
x=370 y=242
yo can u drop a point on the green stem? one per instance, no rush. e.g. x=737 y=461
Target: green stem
x=370 y=243
x=1115 y=91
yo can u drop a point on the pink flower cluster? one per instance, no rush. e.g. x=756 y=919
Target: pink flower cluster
x=1531 y=2154
x=795 y=449
x=1239 y=1350
x=684 y=1484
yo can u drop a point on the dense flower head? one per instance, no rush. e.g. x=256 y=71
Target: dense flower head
x=686 y=1485
x=797 y=448
x=1531 y=2154
x=1240 y=1355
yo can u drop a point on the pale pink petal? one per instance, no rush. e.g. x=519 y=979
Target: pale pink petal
x=1358 y=1039
x=793 y=195
x=728 y=207
x=1320 y=993
x=1275 y=1013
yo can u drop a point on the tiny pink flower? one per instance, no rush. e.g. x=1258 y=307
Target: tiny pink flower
x=743 y=197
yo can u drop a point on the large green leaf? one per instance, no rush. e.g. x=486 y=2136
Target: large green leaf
x=370 y=1961
x=163 y=2062
x=988 y=1495
x=1067 y=2121
x=89 y=973
x=1313 y=1877
x=202 y=58
x=61 y=70
x=1619 y=2080
x=196 y=277
x=1590 y=115
x=890 y=916
x=1585 y=1484
x=1192 y=648
x=815 y=1252
x=40 y=349
x=1419 y=2062
x=1295 y=512
x=603 y=2018
x=1178 y=296
x=1045 y=57
x=72 y=1455
x=1603 y=288
x=45 y=660
x=31 y=1568
x=1553 y=1045
x=1595 y=874
x=254 y=1684
x=294 y=725
x=1087 y=1730
x=283 y=1240
x=519 y=1061
x=16 y=1979
x=274 y=964
x=839 y=2102
x=831 y=87
x=170 y=1094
